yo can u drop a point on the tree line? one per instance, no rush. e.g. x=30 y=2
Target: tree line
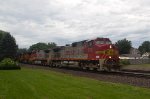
x=37 y=46
x=9 y=48
x=125 y=45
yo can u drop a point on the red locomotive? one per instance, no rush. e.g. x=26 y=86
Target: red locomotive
x=97 y=53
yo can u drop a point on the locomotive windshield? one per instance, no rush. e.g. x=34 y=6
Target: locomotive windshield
x=103 y=42
x=99 y=42
x=108 y=42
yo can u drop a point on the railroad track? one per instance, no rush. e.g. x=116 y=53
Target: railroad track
x=132 y=73
x=125 y=77
x=139 y=74
x=139 y=71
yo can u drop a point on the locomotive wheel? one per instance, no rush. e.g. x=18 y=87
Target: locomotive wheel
x=91 y=68
x=84 y=68
x=50 y=65
x=110 y=64
x=87 y=68
x=95 y=69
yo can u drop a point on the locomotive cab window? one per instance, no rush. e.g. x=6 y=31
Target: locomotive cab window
x=108 y=42
x=100 y=42
x=90 y=44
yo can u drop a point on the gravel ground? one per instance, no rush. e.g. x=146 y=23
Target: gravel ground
x=135 y=81
x=137 y=67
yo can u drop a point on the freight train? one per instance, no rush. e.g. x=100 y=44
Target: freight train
x=99 y=54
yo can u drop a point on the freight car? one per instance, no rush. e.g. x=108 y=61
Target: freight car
x=97 y=53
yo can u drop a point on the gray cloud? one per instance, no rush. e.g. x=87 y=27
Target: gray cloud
x=65 y=21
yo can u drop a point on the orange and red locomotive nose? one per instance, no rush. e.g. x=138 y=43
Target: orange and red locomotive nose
x=106 y=46
x=108 y=50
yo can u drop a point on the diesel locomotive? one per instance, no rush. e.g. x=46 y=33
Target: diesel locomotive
x=97 y=53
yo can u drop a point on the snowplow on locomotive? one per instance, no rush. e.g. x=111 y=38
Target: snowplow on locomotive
x=97 y=53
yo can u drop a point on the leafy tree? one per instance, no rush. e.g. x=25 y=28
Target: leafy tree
x=8 y=46
x=2 y=34
x=145 y=47
x=42 y=46
x=51 y=45
x=124 y=46
x=38 y=46
x=22 y=50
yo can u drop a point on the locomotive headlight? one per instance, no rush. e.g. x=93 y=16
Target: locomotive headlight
x=109 y=56
x=110 y=46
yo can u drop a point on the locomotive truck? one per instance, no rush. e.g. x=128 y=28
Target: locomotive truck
x=97 y=53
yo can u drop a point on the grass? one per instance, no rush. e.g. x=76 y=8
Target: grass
x=137 y=67
x=147 y=65
x=44 y=84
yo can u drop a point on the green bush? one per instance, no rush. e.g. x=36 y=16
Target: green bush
x=124 y=62
x=8 y=64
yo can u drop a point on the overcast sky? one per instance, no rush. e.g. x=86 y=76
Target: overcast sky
x=66 y=21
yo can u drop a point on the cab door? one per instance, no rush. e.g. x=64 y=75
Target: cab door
x=90 y=50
